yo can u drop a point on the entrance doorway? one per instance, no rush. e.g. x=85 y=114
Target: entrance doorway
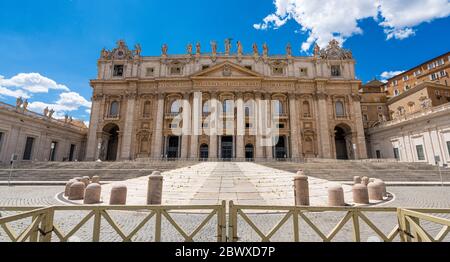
x=172 y=147
x=227 y=147
x=249 y=156
x=113 y=142
x=341 y=137
x=204 y=152
x=280 y=148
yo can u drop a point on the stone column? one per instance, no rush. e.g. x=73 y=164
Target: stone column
x=258 y=147
x=128 y=128
x=196 y=123
x=158 y=133
x=213 y=132
x=323 y=125
x=240 y=147
x=295 y=134
x=91 y=147
x=361 y=149
x=186 y=125
x=268 y=103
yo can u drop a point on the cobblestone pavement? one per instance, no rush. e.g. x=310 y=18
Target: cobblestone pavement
x=423 y=197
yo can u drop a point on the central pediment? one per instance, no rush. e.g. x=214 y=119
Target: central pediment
x=226 y=70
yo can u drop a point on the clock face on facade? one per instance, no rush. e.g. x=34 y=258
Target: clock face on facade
x=120 y=54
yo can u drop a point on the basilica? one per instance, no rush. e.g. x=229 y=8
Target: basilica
x=209 y=104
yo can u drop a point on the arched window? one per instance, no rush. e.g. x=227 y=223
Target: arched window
x=249 y=108
x=306 y=109
x=147 y=109
x=340 y=108
x=114 y=109
x=278 y=108
x=175 y=107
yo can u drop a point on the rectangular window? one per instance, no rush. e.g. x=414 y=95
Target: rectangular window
x=420 y=153
x=433 y=77
x=303 y=71
x=366 y=118
x=118 y=70
x=395 y=82
x=364 y=108
x=53 y=151
x=405 y=78
x=150 y=71
x=418 y=73
x=204 y=67
x=335 y=70
x=249 y=67
x=443 y=73
x=280 y=126
x=448 y=147
x=396 y=153
x=28 y=148
x=378 y=152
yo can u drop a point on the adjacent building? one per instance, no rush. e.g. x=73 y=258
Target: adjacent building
x=313 y=102
x=29 y=136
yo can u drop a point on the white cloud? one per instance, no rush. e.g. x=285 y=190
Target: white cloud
x=13 y=93
x=389 y=74
x=32 y=82
x=324 y=20
x=67 y=102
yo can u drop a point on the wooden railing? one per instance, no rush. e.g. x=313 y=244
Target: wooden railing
x=44 y=227
x=353 y=215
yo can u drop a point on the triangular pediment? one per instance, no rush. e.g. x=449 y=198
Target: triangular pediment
x=227 y=70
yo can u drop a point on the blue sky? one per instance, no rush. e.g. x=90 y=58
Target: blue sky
x=60 y=40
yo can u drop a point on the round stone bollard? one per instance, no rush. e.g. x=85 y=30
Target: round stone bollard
x=365 y=181
x=78 y=178
x=86 y=180
x=360 y=194
x=356 y=180
x=67 y=189
x=375 y=191
x=118 y=195
x=155 y=188
x=383 y=187
x=336 y=196
x=76 y=191
x=301 y=189
x=92 y=194
x=95 y=179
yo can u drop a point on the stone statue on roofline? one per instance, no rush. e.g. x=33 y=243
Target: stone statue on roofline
x=240 y=48
x=50 y=114
x=137 y=50
x=288 y=50
x=214 y=48
x=19 y=102
x=25 y=105
x=265 y=50
x=46 y=111
x=189 y=49
x=227 y=46
x=164 y=49
x=198 y=48
x=255 y=49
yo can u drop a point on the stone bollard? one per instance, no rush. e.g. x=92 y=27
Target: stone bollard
x=365 y=181
x=118 y=195
x=383 y=187
x=92 y=194
x=375 y=191
x=95 y=179
x=336 y=196
x=76 y=191
x=372 y=180
x=301 y=189
x=86 y=180
x=360 y=194
x=155 y=188
x=356 y=180
x=67 y=189
x=78 y=179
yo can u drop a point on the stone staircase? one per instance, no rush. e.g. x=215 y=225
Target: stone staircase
x=108 y=171
x=389 y=171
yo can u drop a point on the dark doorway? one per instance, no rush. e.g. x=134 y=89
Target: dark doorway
x=28 y=148
x=280 y=148
x=53 y=148
x=72 y=152
x=249 y=155
x=204 y=152
x=341 y=143
x=173 y=145
x=113 y=143
x=227 y=147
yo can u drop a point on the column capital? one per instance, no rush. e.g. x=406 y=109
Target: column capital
x=161 y=95
x=239 y=94
x=214 y=94
x=321 y=95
